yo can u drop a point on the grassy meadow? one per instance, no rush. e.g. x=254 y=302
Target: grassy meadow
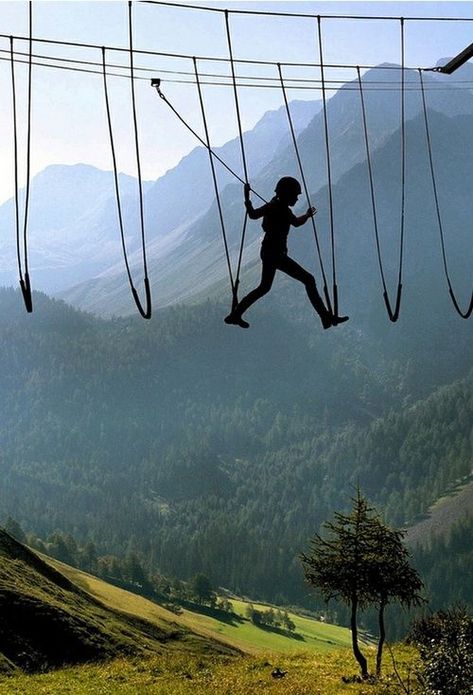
x=310 y=634
x=179 y=674
x=191 y=653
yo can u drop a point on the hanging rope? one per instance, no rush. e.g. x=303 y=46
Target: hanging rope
x=23 y=270
x=395 y=315
x=214 y=177
x=392 y=313
x=304 y=185
x=145 y=312
x=243 y=159
x=464 y=314
x=329 y=174
x=370 y=174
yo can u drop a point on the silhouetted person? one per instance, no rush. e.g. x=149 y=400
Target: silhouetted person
x=277 y=219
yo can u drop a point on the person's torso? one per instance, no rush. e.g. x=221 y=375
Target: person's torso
x=276 y=223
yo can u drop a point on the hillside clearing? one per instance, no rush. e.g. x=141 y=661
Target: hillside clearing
x=447 y=510
x=240 y=633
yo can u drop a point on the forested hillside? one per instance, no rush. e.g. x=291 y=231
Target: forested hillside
x=202 y=449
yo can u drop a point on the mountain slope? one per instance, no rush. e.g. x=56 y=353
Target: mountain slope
x=48 y=621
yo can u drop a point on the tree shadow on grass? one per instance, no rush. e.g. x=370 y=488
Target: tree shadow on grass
x=280 y=631
x=222 y=616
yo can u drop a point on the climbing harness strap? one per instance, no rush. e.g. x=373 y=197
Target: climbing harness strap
x=156 y=83
x=464 y=314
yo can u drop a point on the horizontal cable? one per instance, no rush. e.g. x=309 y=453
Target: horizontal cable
x=219 y=76
x=216 y=59
x=71 y=69
x=344 y=86
x=306 y=15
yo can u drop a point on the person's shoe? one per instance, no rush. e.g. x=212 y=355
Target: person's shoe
x=235 y=320
x=326 y=321
x=339 y=319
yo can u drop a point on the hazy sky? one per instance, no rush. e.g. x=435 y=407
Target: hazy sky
x=69 y=123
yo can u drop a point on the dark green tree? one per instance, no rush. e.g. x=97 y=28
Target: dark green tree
x=391 y=577
x=338 y=566
x=363 y=563
x=202 y=589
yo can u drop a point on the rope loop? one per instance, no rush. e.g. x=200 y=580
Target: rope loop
x=145 y=311
x=329 y=168
x=23 y=268
x=393 y=312
x=464 y=314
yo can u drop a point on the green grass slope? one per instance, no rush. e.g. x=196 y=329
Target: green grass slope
x=236 y=631
x=48 y=621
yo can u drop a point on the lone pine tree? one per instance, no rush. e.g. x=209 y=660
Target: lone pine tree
x=362 y=562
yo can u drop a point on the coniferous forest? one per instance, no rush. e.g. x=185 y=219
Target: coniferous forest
x=178 y=444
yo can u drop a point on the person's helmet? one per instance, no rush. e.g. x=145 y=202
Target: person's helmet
x=288 y=186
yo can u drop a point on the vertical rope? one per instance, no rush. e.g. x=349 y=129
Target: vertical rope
x=147 y=312
x=304 y=185
x=214 y=176
x=371 y=180
x=137 y=147
x=235 y=94
x=15 y=160
x=243 y=157
x=329 y=174
x=115 y=170
x=395 y=315
x=23 y=268
x=464 y=314
x=28 y=136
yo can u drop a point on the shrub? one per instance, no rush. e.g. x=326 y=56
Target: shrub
x=445 y=643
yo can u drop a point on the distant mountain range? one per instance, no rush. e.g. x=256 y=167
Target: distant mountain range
x=73 y=227
x=188 y=265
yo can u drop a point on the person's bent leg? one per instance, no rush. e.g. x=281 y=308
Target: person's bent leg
x=267 y=276
x=294 y=270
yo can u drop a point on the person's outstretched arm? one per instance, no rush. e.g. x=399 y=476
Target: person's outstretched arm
x=253 y=213
x=299 y=221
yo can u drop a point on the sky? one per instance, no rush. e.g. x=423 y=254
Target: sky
x=68 y=109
